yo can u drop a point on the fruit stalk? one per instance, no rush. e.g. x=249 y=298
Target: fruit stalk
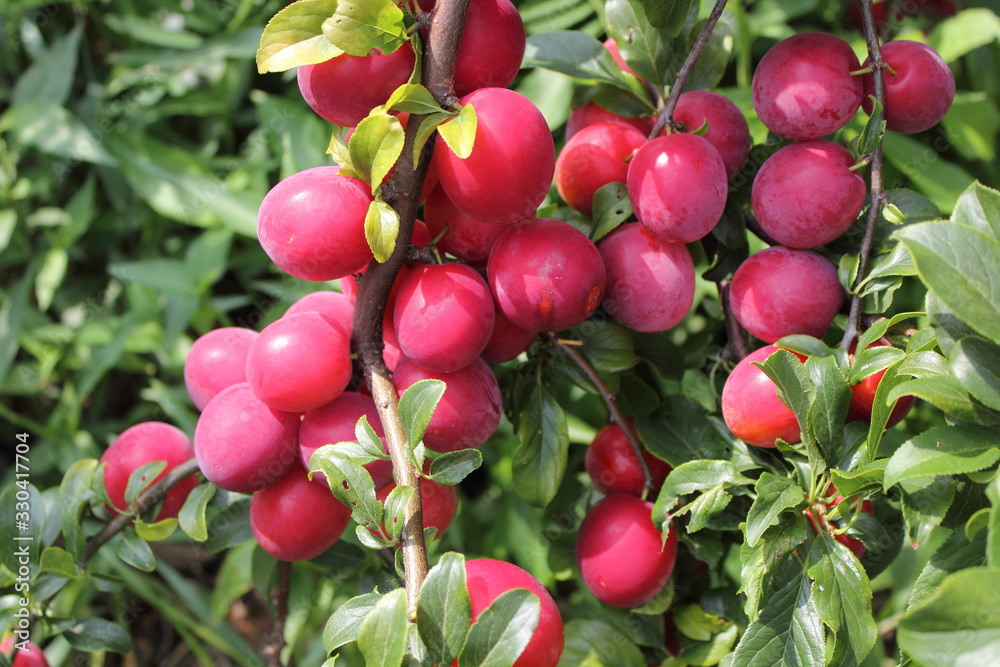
x=738 y=346
x=280 y=600
x=402 y=192
x=146 y=499
x=878 y=197
x=666 y=116
x=649 y=485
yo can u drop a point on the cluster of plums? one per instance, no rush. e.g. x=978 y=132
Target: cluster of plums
x=269 y=399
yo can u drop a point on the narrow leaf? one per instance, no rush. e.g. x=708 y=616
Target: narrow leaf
x=611 y=208
x=96 y=634
x=460 y=132
x=789 y=632
x=382 y=635
x=843 y=594
x=342 y=627
x=142 y=478
x=540 y=459
x=775 y=495
x=381 y=229
x=452 y=467
x=502 y=630
x=416 y=407
x=443 y=609
x=136 y=552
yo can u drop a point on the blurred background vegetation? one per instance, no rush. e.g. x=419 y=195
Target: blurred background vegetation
x=136 y=142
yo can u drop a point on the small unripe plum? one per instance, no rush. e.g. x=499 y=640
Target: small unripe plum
x=294 y=519
x=620 y=553
x=595 y=156
x=492 y=46
x=466 y=238
x=241 y=444
x=508 y=340
x=312 y=224
x=727 y=126
x=591 y=113
x=509 y=171
x=803 y=88
x=336 y=308
x=650 y=282
x=439 y=503
x=443 y=316
x=919 y=87
x=335 y=422
x=299 y=362
x=781 y=291
x=370 y=80
x=751 y=407
x=805 y=195
x=678 y=186
x=613 y=466
x=215 y=361
x=546 y=275
x=863 y=398
x=469 y=411
x=142 y=444
x=30 y=656
x=488 y=579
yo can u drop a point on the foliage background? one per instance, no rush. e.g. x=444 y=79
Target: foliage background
x=136 y=142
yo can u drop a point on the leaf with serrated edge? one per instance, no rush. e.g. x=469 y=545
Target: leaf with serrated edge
x=395 y=509
x=413 y=98
x=540 y=458
x=976 y=363
x=368 y=440
x=350 y=483
x=342 y=627
x=611 y=208
x=382 y=635
x=842 y=593
x=359 y=28
x=946 y=450
x=775 y=495
x=294 y=37
x=375 y=146
x=789 y=632
x=646 y=48
x=381 y=229
x=502 y=630
x=459 y=133
x=443 y=609
x=452 y=467
x=416 y=407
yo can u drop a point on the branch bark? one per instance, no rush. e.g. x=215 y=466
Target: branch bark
x=402 y=192
x=878 y=197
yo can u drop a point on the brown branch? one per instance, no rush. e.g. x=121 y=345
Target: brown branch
x=616 y=414
x=878 y=197
x=272 y=651
x=666 y=116
x=146 y=499
x=402 y=192
x=737 y=347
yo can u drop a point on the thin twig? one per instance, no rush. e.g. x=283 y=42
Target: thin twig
x=878 y=197
x=146 y=499
x=280 y=600
x=738 y=347
x=616 y=414
x=402 y=192
x=666 y=116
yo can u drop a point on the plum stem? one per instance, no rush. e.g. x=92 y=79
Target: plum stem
x=272 y=651
x=146 y=499
x=878 y=197
x=666 y=117
x=402 y=192
x=614 y=411
x=738 y=347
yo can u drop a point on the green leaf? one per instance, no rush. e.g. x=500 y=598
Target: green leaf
x=413 y=98
x=75 y=493
x=360 y=27
x=369 y=446
x=59 y=562
x=351 y=484
x=395 y=510
x=979 y=207
x=611 y=208
x=711 y=652
x=192 y=515
x=375 y=146
x=696 y=623
x=938 y=179
x=945 y=450
x=142 y=478
x=710 y=477
x=443 y=609
x=863 y=479
x=671 y=15
x=416 y=407
x=136 y=552
x=959 y=625
x=342 y=627
x=967 y=30
x=925 y=503
x=382 y=635
x=955 y=553
x=294 y=37
x=594 y=643
x=703 y=508
x=49 y=79
x=682 y=431
x=828 y=410
x=459 y=133
x=640 y=42
x=961 y=265
x=540 y=458
x=795 y=387
x=843 y=594
x=976 y=363
x=660 y=603
x=759 y=564
x=874 y=130
x=381 y=229
x=155 y=532
x=607 y=345
x=993 y=524
x=96 y=634
x=711 y=65
x=789 y=632
x=775 y=495
x=426 y=129
x=452 y=467
x=502 y=630
x=55 y=130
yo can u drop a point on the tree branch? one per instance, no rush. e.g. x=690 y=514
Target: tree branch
x=272 y=651
x=666 y=116
x=877 y=190
x=616 y=414
x=146 y=499
x=402 y=192
x=737 y=347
